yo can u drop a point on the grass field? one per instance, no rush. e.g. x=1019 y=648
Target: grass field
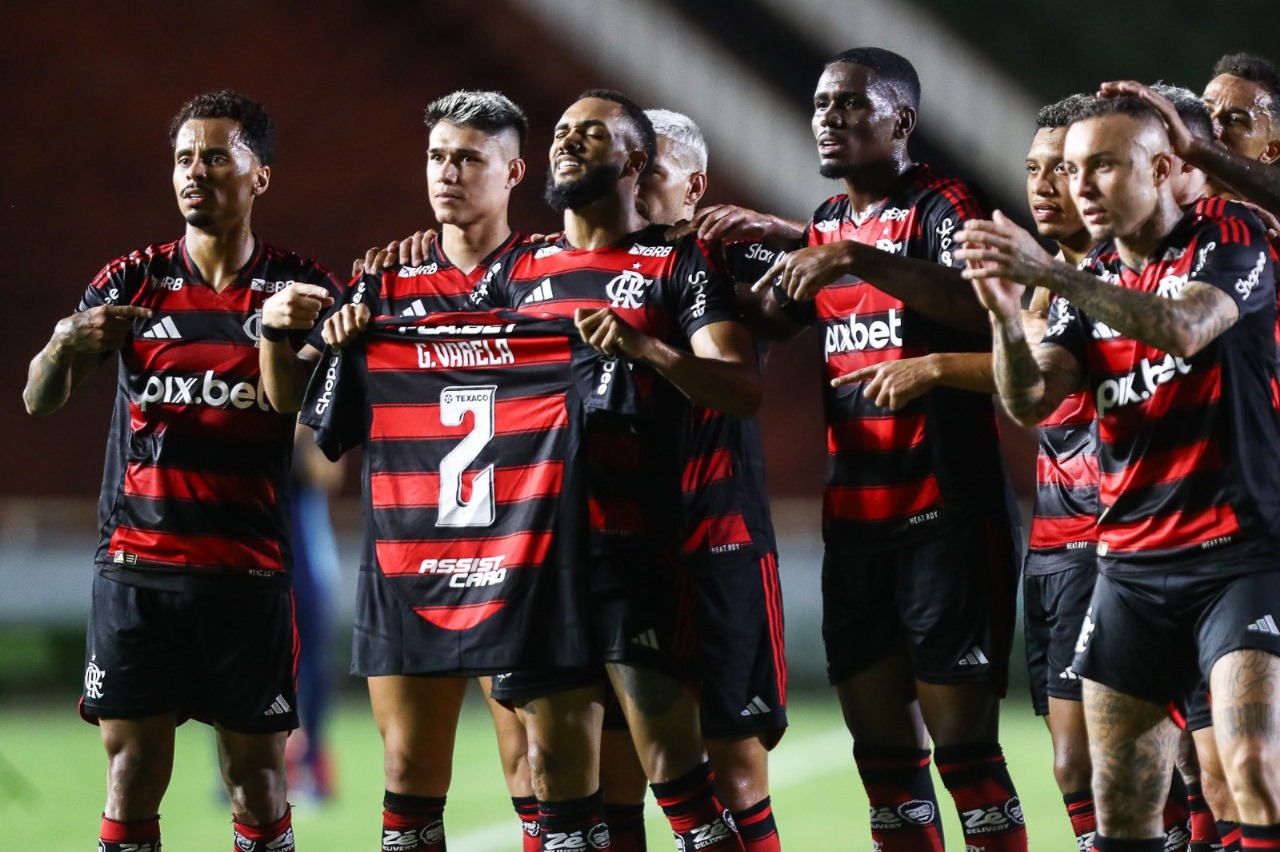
x=52 y=769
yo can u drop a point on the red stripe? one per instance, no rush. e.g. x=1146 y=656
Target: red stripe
x=1176 y=529
x=519 y=549
x=1076 y=408
x=1154 y=469
x=838 y=302
x=562 y=307
x=1247 y=843
x=462 y=617
x=875 y=434
x=511 y=485
x=510 y=417
x=718 y=531
x=1074 y=472
x=881 y=503
x=1053 y=533
x=496 y=353
x=239 y=359
x=615 y=517
x=220 y=424
x=701 y=471
x=209 y=551
x=773 y=612
x=158 y=483
x=295 y=646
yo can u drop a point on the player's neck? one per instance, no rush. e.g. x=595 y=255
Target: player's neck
x=467 y=245
x=868 y=185
x=1075 y=247
x=603 y=222
x=1138 y=248
x=219 y=256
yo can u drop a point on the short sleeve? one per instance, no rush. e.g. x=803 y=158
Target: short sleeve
x=490 y=292
x=1232 y=255
x=948 y=210
x=703 y=290
x=1066 y=329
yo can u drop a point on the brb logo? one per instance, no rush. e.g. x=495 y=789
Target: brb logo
x=856 y=335
x=626 y=290
x=198 y=390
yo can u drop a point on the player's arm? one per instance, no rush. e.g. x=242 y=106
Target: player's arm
x=720 y=373
x=933 y=290
x=79 y=344
x=727 y=223
x=285 y=370
x=1182 y=325
x=892 y=384
x=1249 y=178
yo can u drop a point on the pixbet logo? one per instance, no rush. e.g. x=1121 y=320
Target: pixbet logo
x=856 y=335
x=626 y=290
x=1139 y=385
x=196 y=390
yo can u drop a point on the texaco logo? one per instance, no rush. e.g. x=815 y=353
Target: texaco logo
x=627 y=290
x=93 y=680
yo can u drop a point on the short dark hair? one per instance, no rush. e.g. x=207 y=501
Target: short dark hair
x=1192 y=111
x=1130 y=105
x=888 y=67
x=635 y=114
x=1247 y=66
x=256 y=127
x=488 y=112
x=1061 y=113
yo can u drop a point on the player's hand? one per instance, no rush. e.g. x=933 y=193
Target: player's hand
x=997 y=248
x=802 y=273
x=376 y=260
x=97 y=330
x=1179 y=136
x=726 y=223
x=346 y=325
x=892 y=384
x=608 y=333
x=413 y=250
x=297 y=306
x=1269 y=220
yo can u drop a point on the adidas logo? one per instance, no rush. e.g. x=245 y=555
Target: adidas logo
x=1266 y=624
x=416 y=309
x=541 y=293
x=647 y=639
x=165 y=329
x=757 y=707
x=278 y=707
x=975 y=657
x=1068 y=674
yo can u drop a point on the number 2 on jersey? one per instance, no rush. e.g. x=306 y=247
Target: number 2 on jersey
x=480 y=510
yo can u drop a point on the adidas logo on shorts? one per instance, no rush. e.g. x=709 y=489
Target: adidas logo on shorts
x=1266 y=624
x=755 y=708
x=647 y=639
x=278 y=707
x=975 y=657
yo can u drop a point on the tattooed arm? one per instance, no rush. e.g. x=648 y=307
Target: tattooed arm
x=1182 y=325
x=1031 y=384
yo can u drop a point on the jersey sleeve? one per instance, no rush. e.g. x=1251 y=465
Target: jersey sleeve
x=951 y=206
x=333 y=406
x=115 y=284
x=322 y=277
x=703 y=290
x=747 y=262
x=490 y=292
x=1066 y=328
x=1233 y=256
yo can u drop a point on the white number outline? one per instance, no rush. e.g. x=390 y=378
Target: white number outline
x=481 y=511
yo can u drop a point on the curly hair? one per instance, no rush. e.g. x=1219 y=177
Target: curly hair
x=256 y=127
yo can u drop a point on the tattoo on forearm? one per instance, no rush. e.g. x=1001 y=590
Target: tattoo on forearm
x=1017 y=374
x=1251 y=179
x=46 y=382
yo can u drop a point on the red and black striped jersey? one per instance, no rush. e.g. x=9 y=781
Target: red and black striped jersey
x=475 y=507
x=435 y=286
x=936 y=460
x=197 y=460
x=1188 y=447
x=665 y=290
x=1065 y=516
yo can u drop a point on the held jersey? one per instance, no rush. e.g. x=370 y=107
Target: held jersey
x=1188 y=447
x=892 y=475
x=666 y=290
x=474 y=502
x=197 y=460
x=435 y=286
x=1064 y=519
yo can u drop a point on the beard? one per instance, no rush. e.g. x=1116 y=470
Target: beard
x=596 y=183
x=200 y=219
x=834 y=171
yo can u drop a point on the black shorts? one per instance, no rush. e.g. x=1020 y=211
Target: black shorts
x=1054 y=608
x=1198 y=708
x=1156 y=634
x=740 y=649
x=951 y=600
x=225 y=659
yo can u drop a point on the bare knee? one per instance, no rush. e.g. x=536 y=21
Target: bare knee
x=1072 y=768
x=139 y=765
x=1253 y=773
x=741 y=767
x=254 y=775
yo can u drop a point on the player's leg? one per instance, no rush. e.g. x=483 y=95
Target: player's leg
x=871 y=671
x=1245 y=685
x=417 y=718
x=622 y=782
x=957 y=594
x=513 y=753
x=253 y=773
x=1133 y=745
x=1213 y=784
x=139 y=766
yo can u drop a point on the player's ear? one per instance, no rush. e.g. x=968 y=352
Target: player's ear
x=515 y=172
x=1272 y=152
x=636 y=161
x=697 y=188
x=906 y=122
x=261 y=180
x=1162 y=166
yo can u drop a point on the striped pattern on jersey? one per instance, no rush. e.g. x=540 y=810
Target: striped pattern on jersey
x=891 y=474
x=665 y=290
x=1066 y=507
x=1188 y=447
x=471 y=440
x=435 y=286
x=197 y=460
